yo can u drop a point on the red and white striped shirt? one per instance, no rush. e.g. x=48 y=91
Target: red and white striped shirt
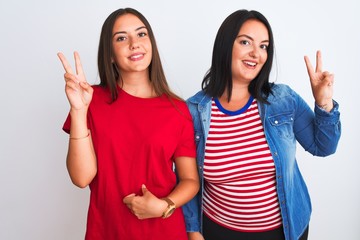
x=239 y=171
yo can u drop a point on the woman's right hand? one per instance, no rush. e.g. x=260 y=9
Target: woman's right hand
x=78 y=91
x=195 y=236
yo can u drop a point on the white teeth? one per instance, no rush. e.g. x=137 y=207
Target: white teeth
x=136 y=56
x=250 y=63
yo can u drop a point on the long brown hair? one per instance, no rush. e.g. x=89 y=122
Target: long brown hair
x=109 y=72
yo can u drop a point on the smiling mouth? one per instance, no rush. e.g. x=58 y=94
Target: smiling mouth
x=136 y=56
x=251 y=64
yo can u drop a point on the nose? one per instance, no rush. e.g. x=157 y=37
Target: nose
x=133 y=44
x=254 y=52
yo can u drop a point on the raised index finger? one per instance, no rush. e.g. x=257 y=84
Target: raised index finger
x=309 y=67
x=65 y=63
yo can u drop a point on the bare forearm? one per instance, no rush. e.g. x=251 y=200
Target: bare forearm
x=195 y=236
x=81 y=159
x=184 y=191
x=188 y=184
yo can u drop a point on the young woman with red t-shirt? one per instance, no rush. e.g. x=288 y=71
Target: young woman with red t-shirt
x=126 y=136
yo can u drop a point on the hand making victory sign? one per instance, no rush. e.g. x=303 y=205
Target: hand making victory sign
x=78 y=91
x=81 y=160
x=321 y=83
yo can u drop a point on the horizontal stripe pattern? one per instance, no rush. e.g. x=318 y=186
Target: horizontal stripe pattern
x=240 y=188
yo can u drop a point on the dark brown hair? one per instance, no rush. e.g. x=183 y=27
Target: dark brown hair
x=219 y=76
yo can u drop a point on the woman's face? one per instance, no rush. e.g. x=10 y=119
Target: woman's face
x=131 y=44
x=249 y=52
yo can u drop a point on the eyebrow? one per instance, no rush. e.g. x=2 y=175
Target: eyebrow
x=124 y=32
x=247 y=36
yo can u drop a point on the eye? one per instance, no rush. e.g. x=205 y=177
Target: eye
x=120 y=38
x=244 y=42
x=142 y=34
x=264 y=46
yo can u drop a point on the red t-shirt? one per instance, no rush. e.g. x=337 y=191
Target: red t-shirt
x=136 y=141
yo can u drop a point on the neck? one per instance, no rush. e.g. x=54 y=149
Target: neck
x=137 y=84
x=239 y=97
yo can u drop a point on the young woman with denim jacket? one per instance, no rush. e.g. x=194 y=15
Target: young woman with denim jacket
x=237 y=81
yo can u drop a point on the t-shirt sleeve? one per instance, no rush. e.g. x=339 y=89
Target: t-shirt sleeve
x=67 y=123
x=186 y=146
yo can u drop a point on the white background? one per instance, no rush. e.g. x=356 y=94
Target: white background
x=37 y=199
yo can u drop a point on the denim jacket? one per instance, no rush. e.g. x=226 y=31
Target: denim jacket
x=286 y=120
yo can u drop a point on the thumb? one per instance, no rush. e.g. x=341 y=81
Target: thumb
x=144 y=189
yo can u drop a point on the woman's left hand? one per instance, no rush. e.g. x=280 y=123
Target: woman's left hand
x=321 y=83
x=145 y=206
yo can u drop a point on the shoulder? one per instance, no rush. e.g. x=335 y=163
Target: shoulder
x=180 y=107
x=101 y=90
x=196 y=98
x=200 y=100
x=280 y=91
x=284 y=98
x=100 y=95
x=281 y=88
x=181 y=104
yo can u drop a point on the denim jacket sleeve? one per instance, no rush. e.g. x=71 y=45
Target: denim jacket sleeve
x=192 y=213
x=318 y=131
x=191 y=209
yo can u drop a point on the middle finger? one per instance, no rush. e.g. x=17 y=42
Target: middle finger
x=318 y=62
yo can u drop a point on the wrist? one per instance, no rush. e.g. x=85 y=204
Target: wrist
x=78 y=119
x=326 y=106
x=169 y=209
x=78 y=112
x=79 y=136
